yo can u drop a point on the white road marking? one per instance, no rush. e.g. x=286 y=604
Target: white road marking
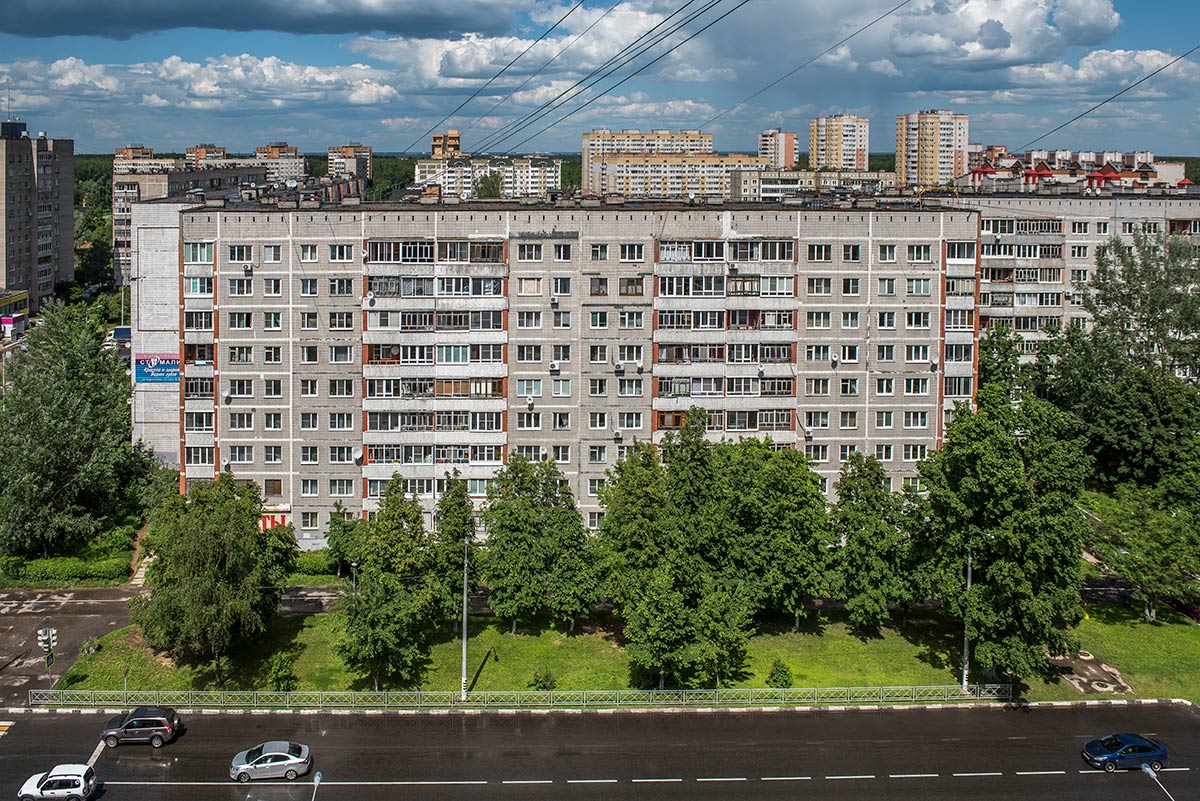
x=722 y=779
x=1041 y=773
x=528 y=781
x=447 y=783
x=591 y=781
x=95 y=754
x=786 y=778
x=1174 y=769
x=653 y=781
x=856 y=776
x=981 y=773
x=912 y=775
x=1018 y=738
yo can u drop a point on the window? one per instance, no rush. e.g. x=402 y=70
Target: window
x=630 y=286
x=959 y=385
x=916 y=353
x=529 y=286
x=272 y=254
x=198 y=286
x=529 y=353
x=561 y=388
x=960 y=250
x=885 y=386
x=341 y=487
x=916 y=320
x=820 y=252
x=598 y=387
x=599 y=319
x=1102 y=228
x=240 y=454
x=816 y=453
x=631 y=319
x=453 y=354
x=341 y=252
x=561 y=285
x=916 y=419
x=529 y=387
x=599 y=252
x=629 y=388
x=308 y=421
x=599 y=286
x=816 y=420
x=818 y=319
x=883 y=419
x=238 y=421
x=848 y=420
x=240 y=320
x=820 y=286
x=562 y=252
x=598 y=353
x=593 y=486
x=850 y=287
x=198 y=421
x=308 y=387
x=916 y=386
x=273 y=454
x=308 y=287
x=198 y=253
x=529 y=251
x=885 y=353
x=529 y=319
x=883 y=453
x=816 y=387
x=529 y=421
x=241 y=388
x=562 y=353
x=630 y=420
x=632 y=252
x=341 y=287
x=272 y=321
x=308 y=321
x=341 y=388
x=846 y=451
x=241 y=354
x=562 y=319
x=918 y=253
x=918 y=286
x=850 y=253
x=1079 y=251
x=887 y=253
x=886 y=319
x=597 y=421
x=1079 y=228
x=308 y=253
x=272 y=388
x=341 y=421
x=560 y=421
x=308 y=354
x=776 y=286
x=272 y=287
x=850 y=319
x=562 y=453
x=913 y=452
x=598 y=454
x=887 y=286
x=849 y=387
x=850 y=352
x=308 y=487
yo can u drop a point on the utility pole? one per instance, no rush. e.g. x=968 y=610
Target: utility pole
x=966 y=661
x=466 y=553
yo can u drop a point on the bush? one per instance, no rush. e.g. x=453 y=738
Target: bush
x=314 y=563
x=120 y=539
x=543 y=679
x=11 y=566
x=780 y=676
x=279 y=673
x=68 y=569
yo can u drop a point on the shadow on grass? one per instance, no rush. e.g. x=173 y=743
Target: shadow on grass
x=938 y=640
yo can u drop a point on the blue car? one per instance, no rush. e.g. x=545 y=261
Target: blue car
x=1126 y=751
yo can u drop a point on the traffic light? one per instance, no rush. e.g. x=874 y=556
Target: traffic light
x=47 y=639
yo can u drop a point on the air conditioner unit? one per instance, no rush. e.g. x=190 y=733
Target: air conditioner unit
x=618 y=434
x=733 y=270
x=554 y=300
x=933 y=364
x=640 y=367
x=555 y=367
x=619 y=367
x=370 y=298
x=225 y=465
x=247 y=268
x=808 y=434
x=762 y=370
x=225 y=396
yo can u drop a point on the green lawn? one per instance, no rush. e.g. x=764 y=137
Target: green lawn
x=1158 y=660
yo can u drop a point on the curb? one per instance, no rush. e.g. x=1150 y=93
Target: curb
x=705 y=710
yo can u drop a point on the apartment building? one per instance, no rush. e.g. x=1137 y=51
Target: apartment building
x=1038 y=252
x=667 y=175
x=445 y=146
x=602 y=142
x=138 y=175
x=322 y=348
x=532 y=176
x=37 y=206
x=283 y=162
x=351 y=158
x=931 y=147
x=198 y=154
x=775 y=185
x=840 y=142
x=778 y=147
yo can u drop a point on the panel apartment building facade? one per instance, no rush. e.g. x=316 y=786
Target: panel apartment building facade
x=326 y=348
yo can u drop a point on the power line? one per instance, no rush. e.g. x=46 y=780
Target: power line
x=475 y=94
x=547 y=108
x=1077 y=117
x=538 y=72
x=632 y=75
x=822 y=54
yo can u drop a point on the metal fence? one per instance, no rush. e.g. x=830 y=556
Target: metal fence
x=518 y=699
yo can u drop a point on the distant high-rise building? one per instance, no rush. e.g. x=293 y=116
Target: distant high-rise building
x=602 y=142
x=931 y=147
x=840 y=142
x=521 y=176
x=37 y=207
x=283 y=162
x=779 y=147
x=351 y=158
x=445 y=146
x=201 y=153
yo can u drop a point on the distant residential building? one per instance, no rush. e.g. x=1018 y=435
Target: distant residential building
x=531 y=176
x=14 y=313
x=931 y=147
x=779 y=147
x=667 y=175
x=201 y=153
x=37 y=207
x=840 y=142
x=445 y=146
x=603 y=142
x=351 y=158
x=139 y=175
x=1073 y=176
x=774 y=185
x=283 y=162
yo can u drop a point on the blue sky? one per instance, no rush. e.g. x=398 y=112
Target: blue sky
x=241 y=73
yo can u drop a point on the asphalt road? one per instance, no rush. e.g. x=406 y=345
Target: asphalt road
x=891 y=754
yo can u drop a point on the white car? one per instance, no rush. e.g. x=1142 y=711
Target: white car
x=67 y=782
x=277 y=759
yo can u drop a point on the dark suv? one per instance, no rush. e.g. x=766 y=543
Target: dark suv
x=156 y=725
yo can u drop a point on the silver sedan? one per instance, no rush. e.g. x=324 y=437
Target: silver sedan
x=277 y=759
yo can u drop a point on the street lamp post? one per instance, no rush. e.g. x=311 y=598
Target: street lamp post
x=966 y=660
x=466 y=553
x=354 y=576
x=316 y=784
x=1149 y=771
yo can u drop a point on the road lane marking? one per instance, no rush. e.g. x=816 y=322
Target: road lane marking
x=95 y=754
x=411 y=783
x=527 y=781
x=1041 y=773
x=591 y=781
x=786 y=778
x=1018 y=738
x=654 y=781
x=912 y=775
x=722 y=779
x=855 y=776
x=981 y=773
x=1161 y=770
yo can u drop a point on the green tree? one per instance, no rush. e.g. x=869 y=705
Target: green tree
x=572 y=173
x=1003 y=488
x=871 y=560
x=68 y=470
x=344 y=538
x=217 y=577
x=93 y=247
x=490 y=185
x=390 y=173
x=1000 y=360
x=455 y=518
x=1154 y=547
x=660 y=628
x=723 y=625
x=780 y=675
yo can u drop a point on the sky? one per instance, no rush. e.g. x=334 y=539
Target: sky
x=315 y=73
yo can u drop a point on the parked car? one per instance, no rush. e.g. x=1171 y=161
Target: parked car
x=277 y=759
x=1125 y=751
x=156 y=725
x=63 y=782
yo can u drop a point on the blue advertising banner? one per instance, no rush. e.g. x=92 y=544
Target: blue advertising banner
x=156 y=368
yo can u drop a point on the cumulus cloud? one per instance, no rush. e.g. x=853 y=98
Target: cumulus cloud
x=884 y=66
x=121 y=19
